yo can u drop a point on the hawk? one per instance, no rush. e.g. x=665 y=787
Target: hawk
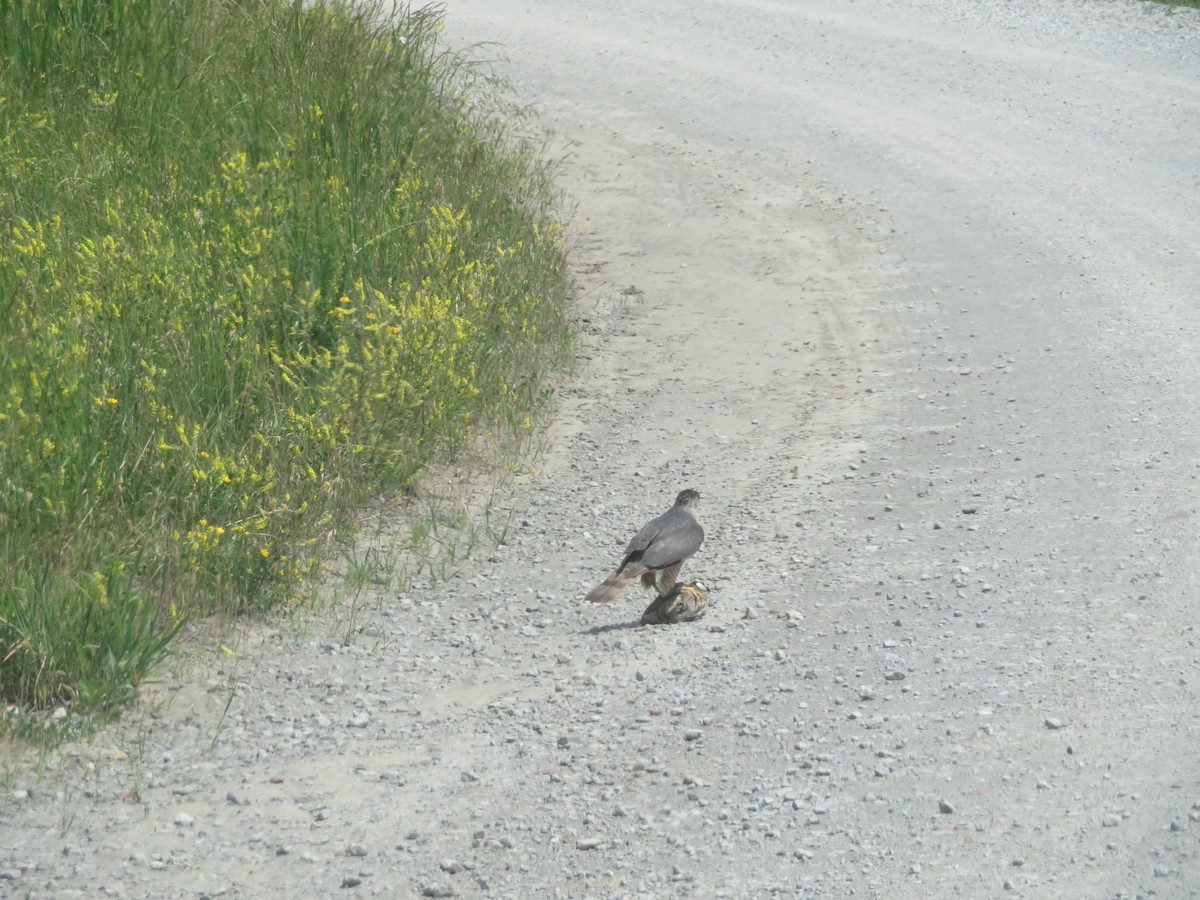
x=657 y=552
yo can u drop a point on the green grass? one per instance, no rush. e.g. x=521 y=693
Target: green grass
x=259 y=261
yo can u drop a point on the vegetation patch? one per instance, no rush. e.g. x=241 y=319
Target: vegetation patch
x=260 y=260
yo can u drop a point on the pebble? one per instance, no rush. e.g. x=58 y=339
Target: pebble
x=588 y=843
x=1111 y=820
x=692 y=734
x=436 y=889
x=183 y=820
x=1054 y=724
x=945 y=807
x=356 y=850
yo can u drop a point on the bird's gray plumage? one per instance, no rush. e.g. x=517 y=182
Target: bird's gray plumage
x=658 y=550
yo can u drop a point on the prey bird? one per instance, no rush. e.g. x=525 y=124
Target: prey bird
x=658 y=551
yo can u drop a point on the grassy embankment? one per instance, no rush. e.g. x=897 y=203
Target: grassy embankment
x=259 y=260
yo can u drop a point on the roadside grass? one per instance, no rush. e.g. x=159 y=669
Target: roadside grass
x=260 y=261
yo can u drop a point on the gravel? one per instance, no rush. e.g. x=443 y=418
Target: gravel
x=908 y=295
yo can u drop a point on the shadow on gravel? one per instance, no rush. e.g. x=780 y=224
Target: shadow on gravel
x=616 y=626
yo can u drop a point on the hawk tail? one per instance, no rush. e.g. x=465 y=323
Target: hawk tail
x=609 y=588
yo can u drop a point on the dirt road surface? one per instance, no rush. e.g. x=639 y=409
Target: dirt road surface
x=910 y=292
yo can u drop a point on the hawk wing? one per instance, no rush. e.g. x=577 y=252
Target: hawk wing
x=667 y=539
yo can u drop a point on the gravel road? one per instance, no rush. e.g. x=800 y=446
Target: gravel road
x=909 y=292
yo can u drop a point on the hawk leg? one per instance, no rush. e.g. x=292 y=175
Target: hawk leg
x=666 y=578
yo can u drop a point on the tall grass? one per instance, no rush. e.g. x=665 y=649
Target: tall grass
x=259 y=260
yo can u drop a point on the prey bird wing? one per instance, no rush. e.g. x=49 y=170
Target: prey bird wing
x=658 y=550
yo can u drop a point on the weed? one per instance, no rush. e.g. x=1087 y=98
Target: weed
x=259 y=262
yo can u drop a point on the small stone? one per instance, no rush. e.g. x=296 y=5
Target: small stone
x=1054 y=724
x=750 y=613
x=1018 y=862
x=451 y=866
x=350 y=881
x=356 y=850
x=945 y=807
x=692 y=734
x=588 y=843
x=564 y=741
x=894 y=676
x=183 y=820
x=233 y=798
x=1112 y=820
x=468 y=777
x=914 y=869
x=1162 y=872
x=436 y=889
x=360 y=719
